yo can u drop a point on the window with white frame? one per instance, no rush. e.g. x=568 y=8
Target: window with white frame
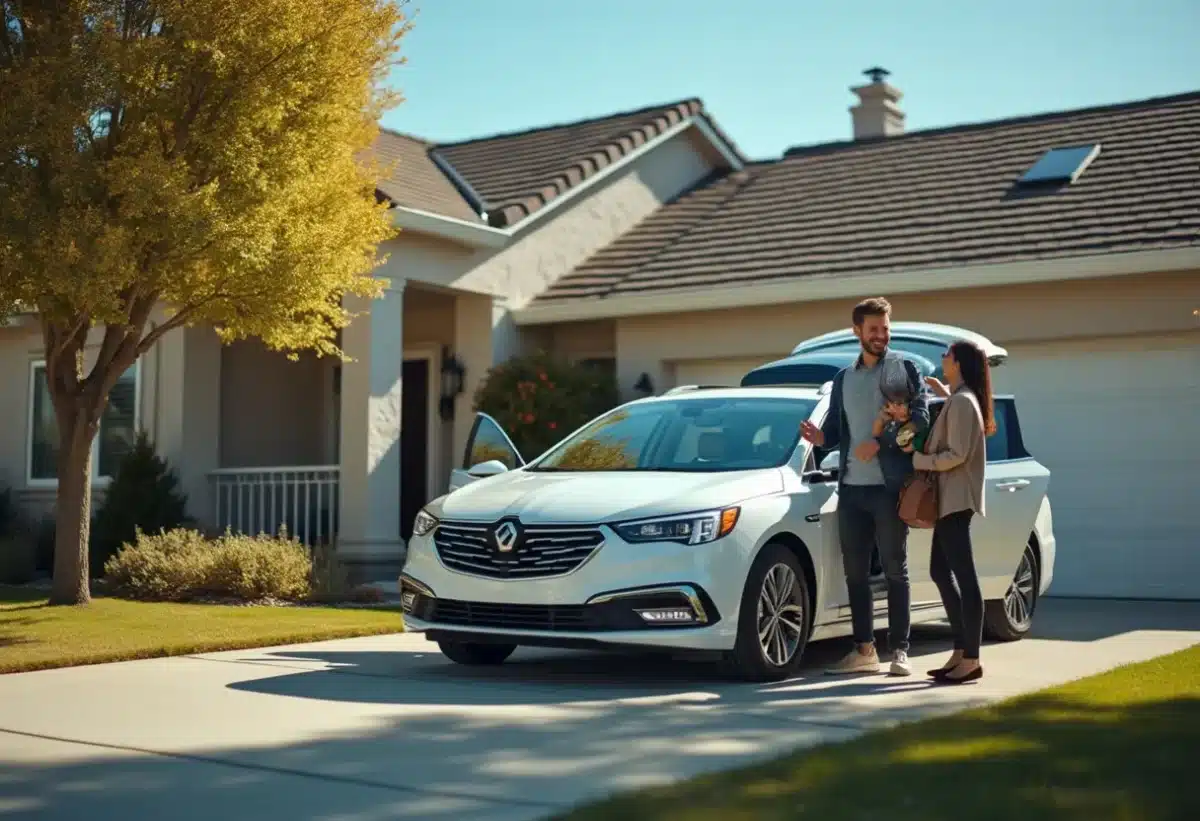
x=116 y=437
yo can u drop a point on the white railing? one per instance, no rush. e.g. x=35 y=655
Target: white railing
x=262 y=500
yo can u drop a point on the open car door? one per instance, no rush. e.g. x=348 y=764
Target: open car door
x=489 y=452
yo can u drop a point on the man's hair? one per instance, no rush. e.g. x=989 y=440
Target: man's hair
x=875 y=306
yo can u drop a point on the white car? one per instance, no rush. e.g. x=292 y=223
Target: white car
x=698 y=520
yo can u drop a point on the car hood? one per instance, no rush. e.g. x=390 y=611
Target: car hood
x=577 y=498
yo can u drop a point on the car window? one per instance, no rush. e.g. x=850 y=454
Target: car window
x=694 y=434
x=997 y=444
x=489 y=442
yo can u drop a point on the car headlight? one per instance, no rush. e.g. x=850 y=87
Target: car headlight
x=688 y=528
x=423 y=523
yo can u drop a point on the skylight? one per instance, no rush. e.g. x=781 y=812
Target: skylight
x=1061 y=164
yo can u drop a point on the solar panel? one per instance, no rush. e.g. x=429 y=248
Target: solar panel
x=1062 y=164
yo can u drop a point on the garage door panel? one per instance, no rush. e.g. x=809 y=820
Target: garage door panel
x=716 y=371
x=1115 y=422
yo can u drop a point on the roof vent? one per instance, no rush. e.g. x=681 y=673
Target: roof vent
x=877 y=113
x=1061 y=165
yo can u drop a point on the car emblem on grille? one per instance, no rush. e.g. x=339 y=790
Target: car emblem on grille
x=506 y=537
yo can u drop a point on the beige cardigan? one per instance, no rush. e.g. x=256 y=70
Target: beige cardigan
x=956 y=450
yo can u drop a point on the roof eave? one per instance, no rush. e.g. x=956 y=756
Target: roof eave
x=818 y=288
x=470 y=233
x=473 y=235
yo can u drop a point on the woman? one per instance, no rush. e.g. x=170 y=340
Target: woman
x=957 y=452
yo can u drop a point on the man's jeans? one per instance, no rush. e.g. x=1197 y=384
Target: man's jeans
x=867 y=517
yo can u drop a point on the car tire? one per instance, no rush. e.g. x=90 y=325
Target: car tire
x=1010 y=618
x=760 y=609
x=476 y=655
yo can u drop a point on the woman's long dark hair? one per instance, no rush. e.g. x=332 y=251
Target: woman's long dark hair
x=977 y=375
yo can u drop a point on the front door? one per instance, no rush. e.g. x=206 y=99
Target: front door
x=414 y=442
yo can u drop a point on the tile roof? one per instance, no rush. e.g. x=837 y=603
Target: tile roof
x=926 y=199
x=515 y=174
x=415 y=181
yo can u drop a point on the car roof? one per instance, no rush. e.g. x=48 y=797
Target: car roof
x=734 y=392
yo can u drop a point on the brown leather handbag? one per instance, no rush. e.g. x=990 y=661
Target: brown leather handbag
x=918 y=506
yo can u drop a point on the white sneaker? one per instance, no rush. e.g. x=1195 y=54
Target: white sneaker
x=900 y=664
x=856 y=662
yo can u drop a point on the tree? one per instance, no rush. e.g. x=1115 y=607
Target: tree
x=203 y=158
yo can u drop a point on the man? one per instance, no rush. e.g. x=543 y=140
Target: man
x=873 y=471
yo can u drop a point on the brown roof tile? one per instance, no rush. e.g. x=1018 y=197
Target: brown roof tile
x=514 y=175
x=415 y=181
x=938 y=198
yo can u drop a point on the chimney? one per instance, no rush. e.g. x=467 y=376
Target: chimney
x=877 y=113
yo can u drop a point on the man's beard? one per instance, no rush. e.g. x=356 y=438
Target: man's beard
x=875 y=348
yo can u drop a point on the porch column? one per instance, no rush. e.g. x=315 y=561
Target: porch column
x=369 y=512
x=181 y=403
x=473 y=342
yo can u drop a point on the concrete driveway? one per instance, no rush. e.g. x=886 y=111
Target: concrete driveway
x=385 y=728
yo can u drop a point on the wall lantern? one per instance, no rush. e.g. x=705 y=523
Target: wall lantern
x=452 y=383
x=644 y=385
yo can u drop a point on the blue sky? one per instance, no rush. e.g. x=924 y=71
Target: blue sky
x=776 y=73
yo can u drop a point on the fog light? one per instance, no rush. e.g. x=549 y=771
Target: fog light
x=408 y=600
x=668 y=615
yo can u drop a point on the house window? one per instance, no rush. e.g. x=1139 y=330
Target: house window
x=117 y=434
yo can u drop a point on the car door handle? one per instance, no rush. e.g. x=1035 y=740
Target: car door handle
x=1013 y=486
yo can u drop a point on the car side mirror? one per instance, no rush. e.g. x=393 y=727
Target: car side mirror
x=492 y=467
x=832 y=461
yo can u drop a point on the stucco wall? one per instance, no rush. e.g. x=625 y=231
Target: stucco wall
x=553 y=245
x=1109 y=306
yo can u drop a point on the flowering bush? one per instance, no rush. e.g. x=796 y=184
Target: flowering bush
x=539 y=399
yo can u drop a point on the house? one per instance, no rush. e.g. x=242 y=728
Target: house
x=1071 y=238
x=646 y=242
x=354 y=450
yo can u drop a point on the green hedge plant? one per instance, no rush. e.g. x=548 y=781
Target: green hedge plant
x=540 y=398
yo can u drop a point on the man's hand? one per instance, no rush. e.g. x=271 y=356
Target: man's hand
x=866 y=451
x=812 y=433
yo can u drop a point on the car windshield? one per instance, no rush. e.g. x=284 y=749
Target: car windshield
x=694 y=435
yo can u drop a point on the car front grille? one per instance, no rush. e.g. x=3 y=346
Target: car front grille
x=564 y=617
x=542 y=551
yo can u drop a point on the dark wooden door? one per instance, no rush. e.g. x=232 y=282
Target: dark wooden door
x=414 y=442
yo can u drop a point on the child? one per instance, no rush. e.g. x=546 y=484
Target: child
x=893 y=417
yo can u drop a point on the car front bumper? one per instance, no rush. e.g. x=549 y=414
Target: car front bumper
x=662 y=594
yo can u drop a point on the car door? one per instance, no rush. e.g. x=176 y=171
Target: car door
x=1014 y=485
x=487 y=443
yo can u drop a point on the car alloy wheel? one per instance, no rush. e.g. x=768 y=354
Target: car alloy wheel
x=1021 y=596
x=780 y=616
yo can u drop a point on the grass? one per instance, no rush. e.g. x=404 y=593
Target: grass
x=34 y=636
x=1121 y=746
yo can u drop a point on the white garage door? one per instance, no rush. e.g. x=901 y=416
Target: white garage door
x=717 y=371
x=1117 y=422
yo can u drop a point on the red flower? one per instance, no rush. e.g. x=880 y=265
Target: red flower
x=542 y=376
x=551 y=425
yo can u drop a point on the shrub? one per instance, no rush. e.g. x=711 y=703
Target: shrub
x=539 y=399
x=143 y=496
x=181 y=564
x=18 y=543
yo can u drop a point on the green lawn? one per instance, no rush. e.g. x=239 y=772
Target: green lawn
x=34 y=636
x=1122 y=746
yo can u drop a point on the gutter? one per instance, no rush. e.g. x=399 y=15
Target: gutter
x=477 y=235
x=816 y=288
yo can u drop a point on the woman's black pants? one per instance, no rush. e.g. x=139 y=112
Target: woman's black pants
x=951 y=561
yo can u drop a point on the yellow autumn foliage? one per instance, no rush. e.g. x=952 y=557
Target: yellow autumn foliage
x=205 y=156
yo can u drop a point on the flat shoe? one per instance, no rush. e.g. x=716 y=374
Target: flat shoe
x=974 y=675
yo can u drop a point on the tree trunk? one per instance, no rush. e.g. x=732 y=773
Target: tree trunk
x=73 y=507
